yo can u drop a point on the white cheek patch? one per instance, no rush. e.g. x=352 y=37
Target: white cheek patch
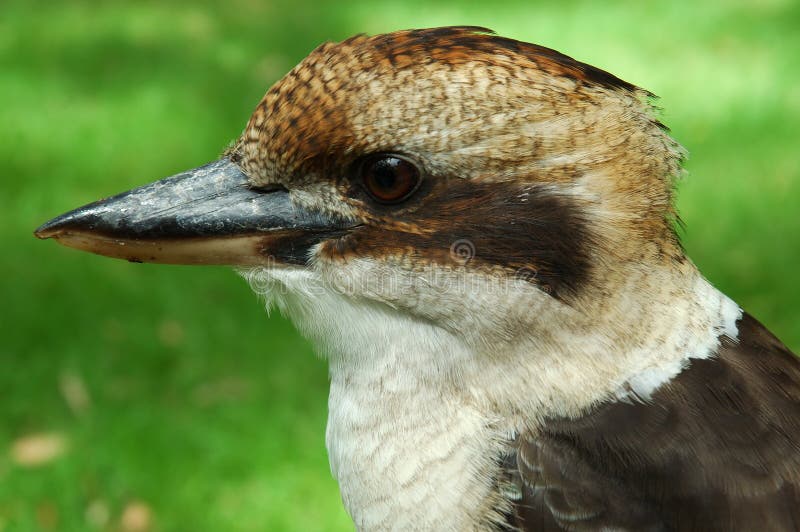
x=716 y=316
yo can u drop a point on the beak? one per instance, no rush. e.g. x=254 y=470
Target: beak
x=209 y=215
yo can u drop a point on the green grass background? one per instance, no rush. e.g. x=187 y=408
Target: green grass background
x=202 y=408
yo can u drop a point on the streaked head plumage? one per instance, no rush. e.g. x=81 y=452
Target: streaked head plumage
x=540 y=162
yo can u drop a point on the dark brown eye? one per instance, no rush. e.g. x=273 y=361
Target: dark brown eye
x=389 y=178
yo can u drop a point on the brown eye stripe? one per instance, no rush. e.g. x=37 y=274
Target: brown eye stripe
x=520 y=229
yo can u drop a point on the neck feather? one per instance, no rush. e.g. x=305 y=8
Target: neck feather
x=420 y=414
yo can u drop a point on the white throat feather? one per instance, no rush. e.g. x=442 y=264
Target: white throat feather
x=422 y=406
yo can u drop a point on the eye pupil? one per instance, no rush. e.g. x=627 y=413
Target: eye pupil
x=385 y=173
x=389 y=178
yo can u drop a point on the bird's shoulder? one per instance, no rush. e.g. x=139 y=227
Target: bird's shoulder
x=717 y=448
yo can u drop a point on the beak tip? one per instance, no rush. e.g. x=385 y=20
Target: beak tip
x=45 y=231
x=53 y=228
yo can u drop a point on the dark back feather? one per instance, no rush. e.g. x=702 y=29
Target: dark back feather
x=718 y=448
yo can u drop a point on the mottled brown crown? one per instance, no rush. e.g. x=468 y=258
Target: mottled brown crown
x=342 y=99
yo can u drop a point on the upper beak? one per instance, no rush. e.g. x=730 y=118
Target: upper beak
x=209 y=215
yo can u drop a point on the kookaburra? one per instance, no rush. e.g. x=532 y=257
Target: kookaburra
x=479 y=235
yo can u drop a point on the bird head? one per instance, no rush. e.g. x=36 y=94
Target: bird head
x=483 y=187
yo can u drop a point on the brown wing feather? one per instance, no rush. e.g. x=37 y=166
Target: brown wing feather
x=718 y=448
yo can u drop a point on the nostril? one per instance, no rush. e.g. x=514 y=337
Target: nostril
x=266 y=189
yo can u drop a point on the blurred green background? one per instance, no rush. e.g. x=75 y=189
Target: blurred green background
x=140 y=397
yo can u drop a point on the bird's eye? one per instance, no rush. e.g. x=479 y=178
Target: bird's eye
x=389 y=178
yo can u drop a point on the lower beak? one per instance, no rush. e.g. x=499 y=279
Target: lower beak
x=209 y=215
